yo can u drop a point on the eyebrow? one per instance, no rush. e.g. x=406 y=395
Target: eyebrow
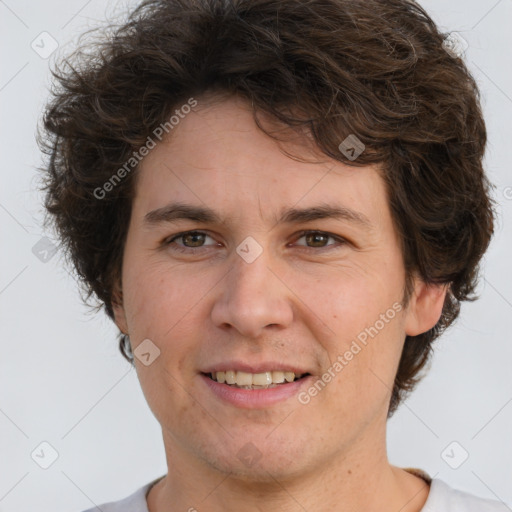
x=204 y=215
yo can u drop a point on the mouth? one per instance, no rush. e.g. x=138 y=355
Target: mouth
x=262 y=380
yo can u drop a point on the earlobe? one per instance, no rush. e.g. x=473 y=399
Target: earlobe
x=425 y=307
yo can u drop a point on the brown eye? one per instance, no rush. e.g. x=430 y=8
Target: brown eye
x=319 y=239
x=193 y=239
x=316 y=239
x=189 y=240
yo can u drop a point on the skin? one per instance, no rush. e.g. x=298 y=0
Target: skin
x=301 y=301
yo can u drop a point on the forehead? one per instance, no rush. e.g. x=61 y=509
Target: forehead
x=218 y=157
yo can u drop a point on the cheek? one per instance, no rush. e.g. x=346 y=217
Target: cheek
x=158 y=298
x=363 y=378
x=363 y=313
x=348 y=300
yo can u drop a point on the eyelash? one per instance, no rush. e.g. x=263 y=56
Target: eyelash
x=184 y=249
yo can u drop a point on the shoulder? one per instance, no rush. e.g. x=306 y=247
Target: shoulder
x=135 y=502
x=443 y=498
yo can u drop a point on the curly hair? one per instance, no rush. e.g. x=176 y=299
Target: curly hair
x=374 y=68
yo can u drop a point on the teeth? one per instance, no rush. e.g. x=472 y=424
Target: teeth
x=289 y=376
x=260 y=379
x=243 y=379
x=278 y=377
x=249 y=380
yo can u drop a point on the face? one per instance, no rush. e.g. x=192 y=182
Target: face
x=288 y=266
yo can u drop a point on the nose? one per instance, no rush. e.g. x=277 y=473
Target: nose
x=252 y=298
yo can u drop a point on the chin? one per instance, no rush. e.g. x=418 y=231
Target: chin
x=265 y=465
x=264 y=472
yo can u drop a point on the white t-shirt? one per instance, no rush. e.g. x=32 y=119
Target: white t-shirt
x=441 y=498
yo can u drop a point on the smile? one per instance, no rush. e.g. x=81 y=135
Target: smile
x=240 y=389
x=262 y=380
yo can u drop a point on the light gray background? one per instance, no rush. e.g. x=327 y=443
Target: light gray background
x=63 y=381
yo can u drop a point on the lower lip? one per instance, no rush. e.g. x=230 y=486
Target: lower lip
x=254 y=398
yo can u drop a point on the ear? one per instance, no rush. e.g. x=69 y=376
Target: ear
x=118 y=308
x=425 y=307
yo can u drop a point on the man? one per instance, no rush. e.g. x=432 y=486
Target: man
x=281 y=205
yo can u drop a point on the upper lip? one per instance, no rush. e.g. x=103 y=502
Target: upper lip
x=254 y=367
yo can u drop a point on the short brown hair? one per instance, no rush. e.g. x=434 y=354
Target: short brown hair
x=376 y=69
